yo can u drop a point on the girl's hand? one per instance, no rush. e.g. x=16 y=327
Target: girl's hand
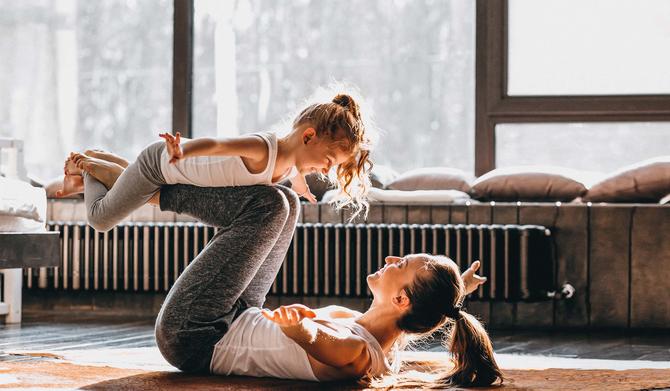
x=309 y=196
x=174 y=149
x=472 y=281
x=289 y=315
x=299 y=185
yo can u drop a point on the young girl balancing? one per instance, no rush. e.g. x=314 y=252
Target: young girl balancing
x=323 y=136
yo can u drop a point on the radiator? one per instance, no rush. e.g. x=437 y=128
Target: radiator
x=323 y=259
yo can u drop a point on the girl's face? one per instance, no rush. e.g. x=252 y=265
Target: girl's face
x=388 y=283
x=318 y=154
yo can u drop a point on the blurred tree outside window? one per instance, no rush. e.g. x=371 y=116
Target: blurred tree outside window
x=79 y=74
x=256 y=61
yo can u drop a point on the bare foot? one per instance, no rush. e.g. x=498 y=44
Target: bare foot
x=155 y=199
x=108 y=156
x=106 y=172
x=72 y=184
x=70 y=168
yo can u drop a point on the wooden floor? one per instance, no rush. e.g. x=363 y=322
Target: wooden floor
x=64 y=332
x=59 y=332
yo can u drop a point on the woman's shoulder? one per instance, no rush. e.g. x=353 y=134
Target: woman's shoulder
x=337 y=312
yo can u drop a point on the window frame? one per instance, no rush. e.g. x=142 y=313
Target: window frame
x=182 y=67
x=494 y=106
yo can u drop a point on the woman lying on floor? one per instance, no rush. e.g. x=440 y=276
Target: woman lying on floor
x=212 y=319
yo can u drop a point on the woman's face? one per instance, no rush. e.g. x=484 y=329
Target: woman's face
x=390 y=281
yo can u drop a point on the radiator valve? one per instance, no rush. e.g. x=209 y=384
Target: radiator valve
x=566 y=292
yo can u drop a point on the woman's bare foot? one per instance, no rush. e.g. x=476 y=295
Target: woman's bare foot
x=72 y=184
x=104 y=171
x=108 y=156
x=70 y=168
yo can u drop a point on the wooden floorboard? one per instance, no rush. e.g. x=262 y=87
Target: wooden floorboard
x=63 y=332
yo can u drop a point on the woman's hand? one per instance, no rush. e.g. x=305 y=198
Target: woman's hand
x=172 y=143
x=472 y=281
x=289 y=315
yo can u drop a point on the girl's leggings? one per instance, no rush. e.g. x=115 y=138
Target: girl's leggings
x=234 y=271
x=138 y=183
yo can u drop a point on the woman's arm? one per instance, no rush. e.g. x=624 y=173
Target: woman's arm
x=337 y=349
x=471 y=279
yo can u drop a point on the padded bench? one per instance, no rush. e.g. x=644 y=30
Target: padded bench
x=20 y=250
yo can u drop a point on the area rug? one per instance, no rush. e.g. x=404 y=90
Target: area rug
x=54 y=372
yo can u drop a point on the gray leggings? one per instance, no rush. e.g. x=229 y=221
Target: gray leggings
x=138 y=183
x=234 y=271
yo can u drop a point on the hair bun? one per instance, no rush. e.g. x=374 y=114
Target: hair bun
x=348 y=103
x=343 y=100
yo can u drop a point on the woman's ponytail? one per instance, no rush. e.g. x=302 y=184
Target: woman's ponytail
x=474 y=364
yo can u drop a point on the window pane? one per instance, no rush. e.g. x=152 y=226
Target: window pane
x=601 y=147
x=77 y=74
x=589 y=47
x=256 y=61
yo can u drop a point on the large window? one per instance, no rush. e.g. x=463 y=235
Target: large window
x=255 y=62
x=603 y=146
x=578 y=47
x=79 y=73
x=575 y=83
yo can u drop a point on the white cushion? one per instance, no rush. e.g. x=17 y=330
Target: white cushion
x=20 y=199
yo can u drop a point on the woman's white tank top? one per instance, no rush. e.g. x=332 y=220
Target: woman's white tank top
x=220 y=171
x=256 y=346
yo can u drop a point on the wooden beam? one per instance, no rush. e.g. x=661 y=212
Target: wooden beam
x=182 y=68
x=490 y=78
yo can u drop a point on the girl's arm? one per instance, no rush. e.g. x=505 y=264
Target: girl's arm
x=246 y=146
x=336 y=349
x=299 y=185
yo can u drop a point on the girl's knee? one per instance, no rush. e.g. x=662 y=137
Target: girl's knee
x=275 y=199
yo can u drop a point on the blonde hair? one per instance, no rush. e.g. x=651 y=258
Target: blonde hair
x=340 y=122
x=436 y=299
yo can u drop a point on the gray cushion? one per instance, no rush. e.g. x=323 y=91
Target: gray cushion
x=531 y=183
x=646 y=181
x=318 y=184
x=432 y=178
x=381 y=176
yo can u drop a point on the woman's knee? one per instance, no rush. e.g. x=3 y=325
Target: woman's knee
x=291 y=197
x=293 y=204
x=275 y=200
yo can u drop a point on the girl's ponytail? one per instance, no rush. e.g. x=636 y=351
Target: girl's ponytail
x=474 y=364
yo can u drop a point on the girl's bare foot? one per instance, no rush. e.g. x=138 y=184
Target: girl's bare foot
x=70 y=168
x=72 y=184
x=156 y=199
x=108 y=156
x=104 y=171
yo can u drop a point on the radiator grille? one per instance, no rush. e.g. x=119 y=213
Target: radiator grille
x=323 y=259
